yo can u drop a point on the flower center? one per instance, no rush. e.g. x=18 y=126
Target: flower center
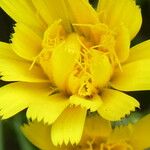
x=101 y=145
x=79 y=64
x=116 y=146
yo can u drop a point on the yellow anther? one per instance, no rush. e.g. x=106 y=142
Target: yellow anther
x=90 y=144
x=82 y=44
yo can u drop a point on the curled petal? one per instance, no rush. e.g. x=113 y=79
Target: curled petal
x=67 y=53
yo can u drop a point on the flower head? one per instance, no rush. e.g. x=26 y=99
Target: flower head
x=98 y=135
x=67 y=58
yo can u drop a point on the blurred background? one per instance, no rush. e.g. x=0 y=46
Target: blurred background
x=11 y=137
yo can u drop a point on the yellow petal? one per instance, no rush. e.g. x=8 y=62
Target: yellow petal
x=69 y=126
x=82 y=12
x=13 y=68
x=25 y=42
x=69 y=49
x=14 y=98
x=51 y=10
x=116 y=105
x=120 y=133
x=117 y=12
x=47 y=108
x=122 y=43
x=135 y=76
x=6 y=51
x=96 y=127
x=140 y=51
x=42 y=7
x=140 y=138
x=10 y=106
x=36 y=97
x=39 y=134
x=93 y=104
x=23 y=11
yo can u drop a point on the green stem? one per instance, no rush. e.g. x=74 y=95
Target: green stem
x=23 y=143
x=1 y=137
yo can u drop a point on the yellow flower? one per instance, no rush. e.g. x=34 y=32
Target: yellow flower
x=68 y=58
x=98 y=135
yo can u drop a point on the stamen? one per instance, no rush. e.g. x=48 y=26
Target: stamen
x=35 y=60
x=53 y=90
x=82 y=44
x=96 y=46
x=37 y=57
x=82 y=25
x=33 y=63
x=49 y=43
x=90 y=144
x=117 y=61
x=80 y=65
